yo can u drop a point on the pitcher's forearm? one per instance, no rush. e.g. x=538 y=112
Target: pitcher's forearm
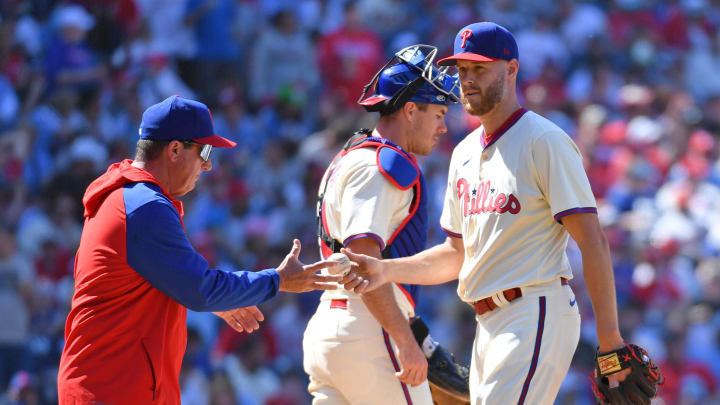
x=597 y=267
x=600 y=284
x=439 y=264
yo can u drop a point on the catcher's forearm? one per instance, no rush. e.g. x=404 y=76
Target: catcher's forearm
x=436 y=265
x=381 y=303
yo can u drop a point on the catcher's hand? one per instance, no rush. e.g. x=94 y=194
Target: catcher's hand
x=449 y=381
x=637 y=388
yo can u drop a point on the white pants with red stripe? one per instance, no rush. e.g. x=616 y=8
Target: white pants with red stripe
x=522 y=350
x=351 y=360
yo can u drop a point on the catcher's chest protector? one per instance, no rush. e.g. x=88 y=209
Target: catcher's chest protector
x=401 y=169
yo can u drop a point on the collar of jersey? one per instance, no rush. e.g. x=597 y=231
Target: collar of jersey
x=487 y=141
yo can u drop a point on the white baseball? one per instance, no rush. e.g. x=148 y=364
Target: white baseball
x=343 y=266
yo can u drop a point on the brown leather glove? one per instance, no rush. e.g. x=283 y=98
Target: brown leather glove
x=638 y=388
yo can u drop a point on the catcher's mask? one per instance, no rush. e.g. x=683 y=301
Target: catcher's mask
x=410 y=76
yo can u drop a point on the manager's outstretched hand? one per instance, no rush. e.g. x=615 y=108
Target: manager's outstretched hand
x=297 y=277
x=369 y=268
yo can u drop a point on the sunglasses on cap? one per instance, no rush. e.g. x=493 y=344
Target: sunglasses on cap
x=205 y=152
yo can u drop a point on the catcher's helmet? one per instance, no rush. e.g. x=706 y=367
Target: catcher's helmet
x=410 y=76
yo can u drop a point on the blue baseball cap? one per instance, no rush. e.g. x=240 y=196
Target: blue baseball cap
x=177 y=118
x=482 y=42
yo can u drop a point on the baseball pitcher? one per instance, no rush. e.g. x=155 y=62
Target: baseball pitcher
x=516 y=190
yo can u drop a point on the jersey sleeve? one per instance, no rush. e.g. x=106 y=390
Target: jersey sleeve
x=561 y=175
x=369 y=203
x=450 y=219
x=158 y=249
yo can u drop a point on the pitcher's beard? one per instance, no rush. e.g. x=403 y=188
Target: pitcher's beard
x=488 y=98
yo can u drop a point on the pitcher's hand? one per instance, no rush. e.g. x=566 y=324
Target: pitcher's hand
x=369 y=268
x=354 y=282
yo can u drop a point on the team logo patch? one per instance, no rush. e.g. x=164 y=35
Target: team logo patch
x=465 y=35
x=440 y=97
x=609 y=363
x=482 y=198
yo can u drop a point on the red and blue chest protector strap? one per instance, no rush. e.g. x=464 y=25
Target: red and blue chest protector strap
x=399 y=168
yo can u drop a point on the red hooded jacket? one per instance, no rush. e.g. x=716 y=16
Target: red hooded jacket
x=135 y=272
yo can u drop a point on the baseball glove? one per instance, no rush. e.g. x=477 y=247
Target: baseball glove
x=449 y=381
x=639 y=386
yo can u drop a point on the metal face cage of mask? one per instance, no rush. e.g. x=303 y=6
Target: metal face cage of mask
x=419 y=60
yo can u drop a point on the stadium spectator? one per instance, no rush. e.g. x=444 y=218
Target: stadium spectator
x=348 y=56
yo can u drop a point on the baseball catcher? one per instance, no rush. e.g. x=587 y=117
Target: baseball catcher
x=373 y=200
x=449 y=381
x=640 y=385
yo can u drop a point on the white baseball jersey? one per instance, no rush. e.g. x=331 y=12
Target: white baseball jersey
x=505 y=196
x=346 y=341
x=361 y=202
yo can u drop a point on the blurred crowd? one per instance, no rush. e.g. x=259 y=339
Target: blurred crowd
x=636 y=84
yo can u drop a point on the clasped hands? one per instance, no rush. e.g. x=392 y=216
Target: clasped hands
x=295 y=277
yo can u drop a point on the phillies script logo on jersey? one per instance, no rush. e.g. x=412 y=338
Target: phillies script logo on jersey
x=483 y=198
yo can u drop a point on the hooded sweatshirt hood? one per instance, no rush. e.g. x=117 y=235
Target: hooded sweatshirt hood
x=116 y=176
